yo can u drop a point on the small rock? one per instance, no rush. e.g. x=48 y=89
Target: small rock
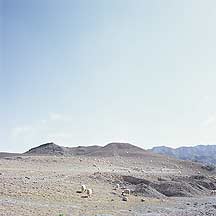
x=142 y=200
x=117 y=186
x=125 y=198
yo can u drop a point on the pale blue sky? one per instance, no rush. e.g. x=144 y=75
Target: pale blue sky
x=91 y=72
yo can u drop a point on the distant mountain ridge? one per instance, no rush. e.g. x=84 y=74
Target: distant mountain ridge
x=200 y=153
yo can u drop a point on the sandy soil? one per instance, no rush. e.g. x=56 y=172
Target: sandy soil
x=49 y=185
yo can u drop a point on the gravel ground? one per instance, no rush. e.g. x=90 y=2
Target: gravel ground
x=49 y=185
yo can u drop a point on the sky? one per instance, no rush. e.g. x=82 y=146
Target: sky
x=93 y=72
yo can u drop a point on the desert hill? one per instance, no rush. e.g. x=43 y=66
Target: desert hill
x=119 y=149
x=109 y=150
x=54 y=149
x=49 y=149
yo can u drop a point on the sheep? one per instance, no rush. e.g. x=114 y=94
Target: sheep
x=213 y=192
x=126 y=191
x=89 y=192
x=83 y=188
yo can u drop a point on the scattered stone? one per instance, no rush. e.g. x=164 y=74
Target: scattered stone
x=117 y=186
x=125 y=198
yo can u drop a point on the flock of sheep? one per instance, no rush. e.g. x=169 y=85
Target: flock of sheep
x=87 y=190
x=125 y=193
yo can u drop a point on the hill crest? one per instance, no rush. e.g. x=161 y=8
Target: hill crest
x=111 y=149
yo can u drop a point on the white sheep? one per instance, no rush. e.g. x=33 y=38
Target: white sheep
x=83 y=188
x=126 y=191
x=213 y=192
x=89 y=192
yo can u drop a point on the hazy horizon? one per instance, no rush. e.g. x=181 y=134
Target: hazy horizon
x=95 y=72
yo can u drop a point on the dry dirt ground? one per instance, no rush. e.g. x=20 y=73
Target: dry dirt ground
x=50 y=185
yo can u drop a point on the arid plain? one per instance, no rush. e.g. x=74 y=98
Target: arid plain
x=50 y=184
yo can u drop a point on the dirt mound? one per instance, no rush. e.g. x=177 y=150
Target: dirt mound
x=134 y=180
x=176 y=187
x=200 y=181
x=147 y=191
x=119 y=149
